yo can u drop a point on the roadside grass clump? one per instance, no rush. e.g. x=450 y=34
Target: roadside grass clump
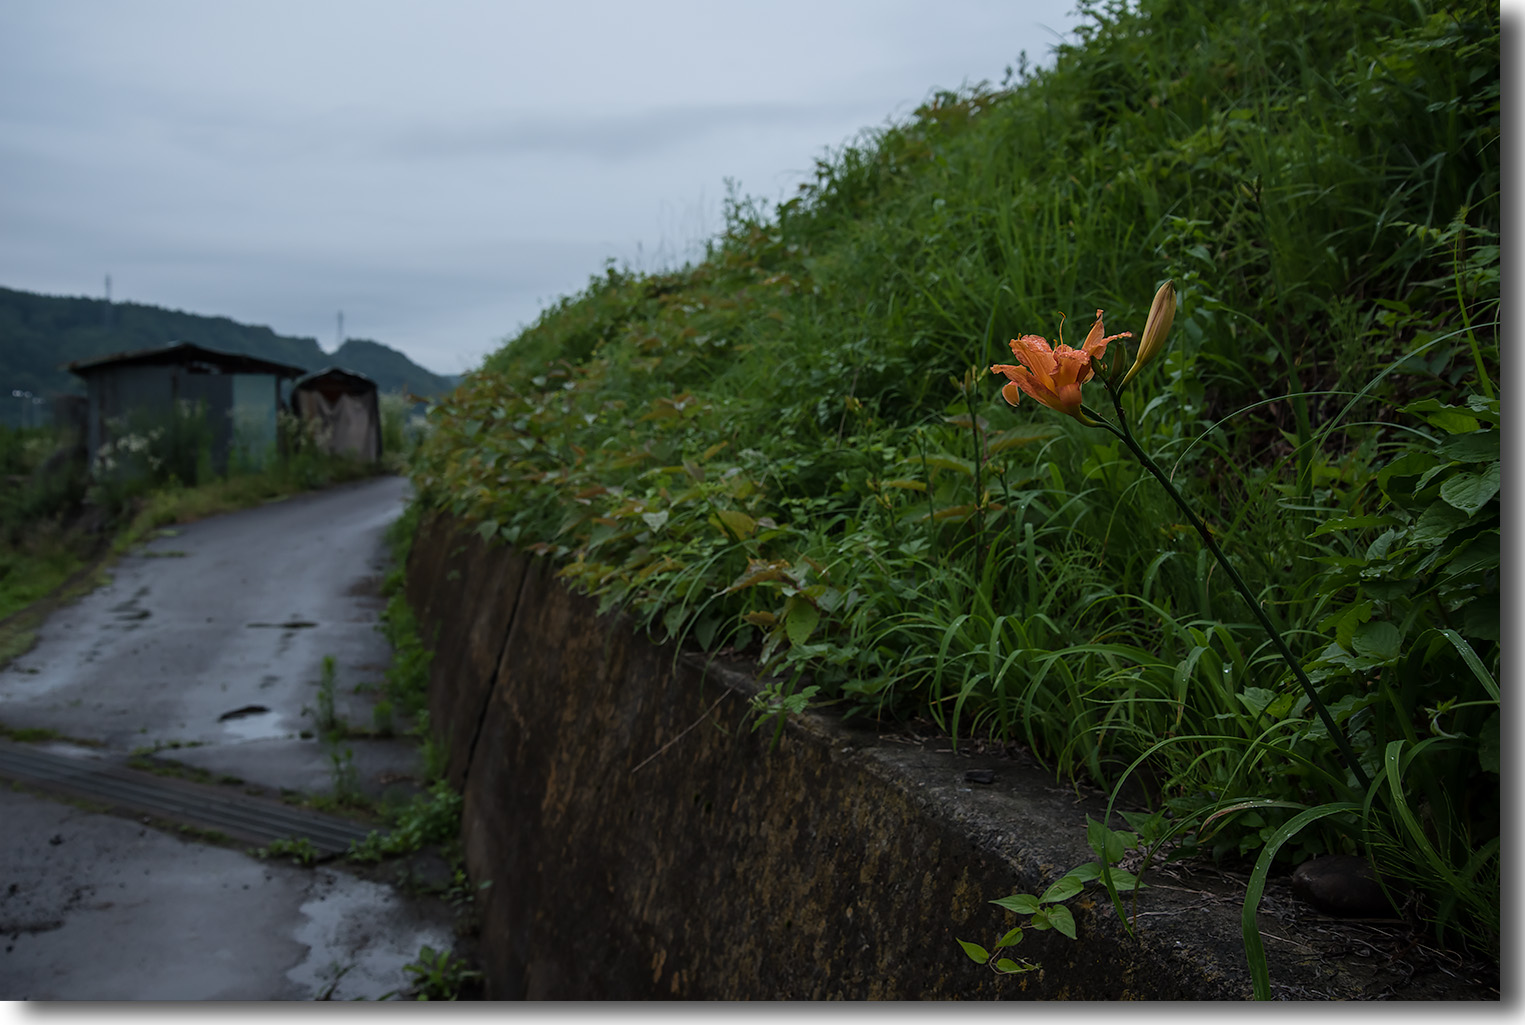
x=298 y=848
x=39 y=486
x=403 y=426
x=437 y=975
x=324 y=716
x=29 y=734
x=793 y=449
x=333 y=733
x=173 y=503
x=406 y=683
x=433 y=817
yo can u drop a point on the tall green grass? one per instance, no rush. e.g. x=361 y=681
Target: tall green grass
x=792 y=448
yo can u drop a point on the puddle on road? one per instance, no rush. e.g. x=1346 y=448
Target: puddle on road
x=259 y=726
x=71 y=750
x=130 y=612
x=359 y=936
x=240 y=713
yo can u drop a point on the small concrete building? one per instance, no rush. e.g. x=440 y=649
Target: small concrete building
x=342 y=411
x=239 y=396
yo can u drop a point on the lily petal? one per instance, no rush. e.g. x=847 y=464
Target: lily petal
x=1034 y=352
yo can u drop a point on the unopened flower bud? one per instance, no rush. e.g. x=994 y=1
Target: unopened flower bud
x=1161 y=313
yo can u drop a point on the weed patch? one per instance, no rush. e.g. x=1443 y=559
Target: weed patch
x=298 y=849
x=433 y=817
x=29 y=734
x=438 y=975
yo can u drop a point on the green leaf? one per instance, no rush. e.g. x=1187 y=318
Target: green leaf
x=1346 y=621
x=943 y=461
x=1469 y=492
x=1439 y=522
x=1487 y=409
x=977 y=953
x=1473 y=662
x=704 y=630
x=487 y=528
x=1123 y=880
x=1352 y=523
x=1021 y=903
x=1040 y=921
x=1010 y=967
x=1448 y=418
x=1407 y=465
x=1481 y=553
x=1477 y=447
x=1062 y=920
x=1379 y=639
x=672 y=619
x=1282 y=706
x=1379 y=548
x=1256 y=698
x=1063 y=889
x=738 y=523
x=1011 y=939
x=800 y=619
x=1107 y=843
x=1150 y=826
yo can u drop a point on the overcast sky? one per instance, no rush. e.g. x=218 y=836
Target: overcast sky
x=438 y=171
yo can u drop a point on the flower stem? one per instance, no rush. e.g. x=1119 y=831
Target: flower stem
x=1121 y=430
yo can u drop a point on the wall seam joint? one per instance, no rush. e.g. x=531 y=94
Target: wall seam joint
x=492 y=684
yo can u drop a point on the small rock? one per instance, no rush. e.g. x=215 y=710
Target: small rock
x=1341 y=884
x=56 y=839
x=980 y=776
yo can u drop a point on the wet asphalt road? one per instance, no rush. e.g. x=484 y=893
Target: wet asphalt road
x=225 y=615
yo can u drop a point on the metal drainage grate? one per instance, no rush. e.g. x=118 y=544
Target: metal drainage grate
x=251 y=819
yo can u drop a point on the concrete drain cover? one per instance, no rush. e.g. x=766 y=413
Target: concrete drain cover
x=255 y=820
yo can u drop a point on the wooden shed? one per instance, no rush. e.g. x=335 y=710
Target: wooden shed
x=239 y=397
x=341 y=409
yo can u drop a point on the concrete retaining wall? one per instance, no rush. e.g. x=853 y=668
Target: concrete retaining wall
x=643 y=843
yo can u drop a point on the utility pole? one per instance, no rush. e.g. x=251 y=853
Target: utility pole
x=340 y=341
x=106 y=313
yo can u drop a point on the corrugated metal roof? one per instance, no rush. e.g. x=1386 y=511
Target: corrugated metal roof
x=183 y=353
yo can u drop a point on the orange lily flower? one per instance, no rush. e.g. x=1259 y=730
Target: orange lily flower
x=1053 y=375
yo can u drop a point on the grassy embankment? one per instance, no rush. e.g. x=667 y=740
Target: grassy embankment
x=794 y=449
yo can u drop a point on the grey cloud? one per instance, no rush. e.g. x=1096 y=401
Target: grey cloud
x=363 y=134
x=611 y=136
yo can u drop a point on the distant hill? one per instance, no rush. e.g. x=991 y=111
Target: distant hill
x=41 y=333
x=390 y=369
